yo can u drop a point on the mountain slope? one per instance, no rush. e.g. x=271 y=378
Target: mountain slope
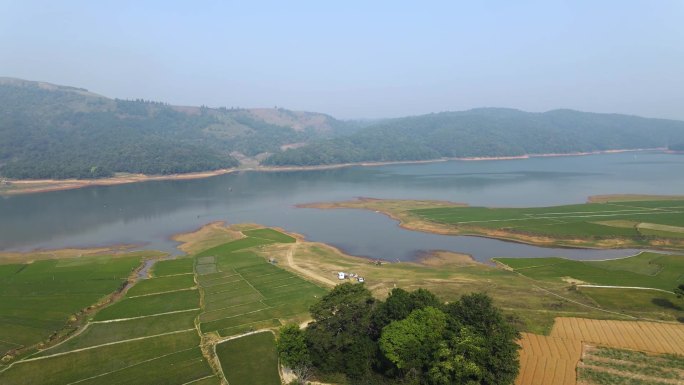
x=487 y=132
x=51 y=131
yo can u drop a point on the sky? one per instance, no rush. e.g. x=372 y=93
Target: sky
x=358 y=59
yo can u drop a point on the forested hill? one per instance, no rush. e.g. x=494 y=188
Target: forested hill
x=488 y=132
x=50 y=131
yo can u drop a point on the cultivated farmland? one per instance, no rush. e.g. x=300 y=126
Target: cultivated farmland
x=600 y=365
x=243 y=292
x=553 y=359
x=638 y=286
x=548 y=360
x=164 y=328
x=639 y=222
x=150 y=333
x=642 y=336
x=250 y=360
x=652 y=270
x=38 y=298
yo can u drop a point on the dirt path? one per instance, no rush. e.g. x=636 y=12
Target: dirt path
x=627 y=287
x=291 y=263
x=144 y=316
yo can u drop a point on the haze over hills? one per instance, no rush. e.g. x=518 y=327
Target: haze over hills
x=51 y=131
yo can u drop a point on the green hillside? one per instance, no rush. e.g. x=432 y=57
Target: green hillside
x=51 y=131
x=488 y=132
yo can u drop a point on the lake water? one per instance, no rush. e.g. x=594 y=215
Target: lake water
x=149 y=213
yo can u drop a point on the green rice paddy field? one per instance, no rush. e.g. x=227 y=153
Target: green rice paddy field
x=37 y=298
x=155 y=333
x=662 y=272
x=633 y=219
x=244 y=292
x=250 y=360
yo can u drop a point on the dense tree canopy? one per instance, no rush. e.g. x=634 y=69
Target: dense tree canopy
x=411 y=338
x=63 y=132
x=339 y=338
x=293 y=352
x=488 y=132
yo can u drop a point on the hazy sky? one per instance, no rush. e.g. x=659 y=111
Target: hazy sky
x=360 y=59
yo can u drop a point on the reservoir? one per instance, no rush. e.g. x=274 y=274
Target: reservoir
x=147 y=214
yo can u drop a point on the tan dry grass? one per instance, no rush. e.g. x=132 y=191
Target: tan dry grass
x=206 y=237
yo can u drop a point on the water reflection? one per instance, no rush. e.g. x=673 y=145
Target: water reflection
x=150 y=212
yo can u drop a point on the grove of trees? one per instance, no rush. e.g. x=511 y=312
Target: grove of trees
x=410 y=338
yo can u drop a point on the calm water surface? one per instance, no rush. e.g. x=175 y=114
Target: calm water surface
x=149 y=213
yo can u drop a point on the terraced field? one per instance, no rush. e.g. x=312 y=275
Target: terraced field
x=165 y=327
x=37 y=299
x=629 y=352
x=150 y=333
x=244 y=292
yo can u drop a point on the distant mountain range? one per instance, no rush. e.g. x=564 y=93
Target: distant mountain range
x=488 y=132
x=51 y=131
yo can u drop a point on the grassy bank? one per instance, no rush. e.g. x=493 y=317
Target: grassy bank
x=617 y=222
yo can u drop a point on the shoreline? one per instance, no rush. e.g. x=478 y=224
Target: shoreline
x=32 y=186
x=543 y=242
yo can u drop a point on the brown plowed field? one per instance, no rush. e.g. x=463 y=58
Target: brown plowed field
x=553 y=359
x=643 y=336
x=547 y=360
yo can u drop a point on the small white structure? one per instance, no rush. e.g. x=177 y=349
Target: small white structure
x=341 y=275
x=361 y=280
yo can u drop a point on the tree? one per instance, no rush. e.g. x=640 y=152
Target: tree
x=679 y=290
x=410 y=343
x=338 y=338
x=500 y=363
x=399 y=304
x=457 y=360
x=293 y=352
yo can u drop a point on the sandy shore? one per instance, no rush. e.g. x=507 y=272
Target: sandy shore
x=28 y=186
